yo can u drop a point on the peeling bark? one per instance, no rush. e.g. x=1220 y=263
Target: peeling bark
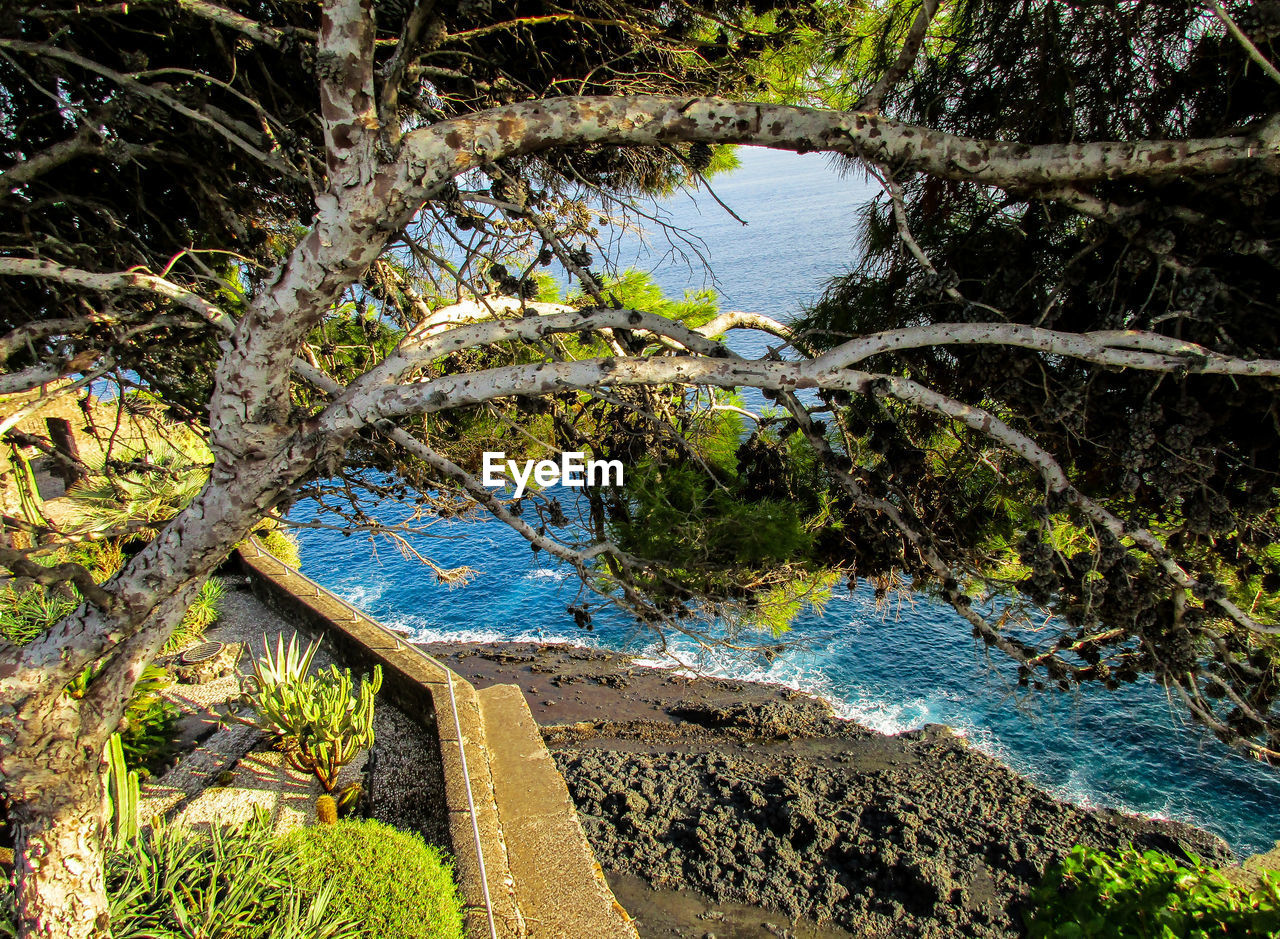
x=60 y=865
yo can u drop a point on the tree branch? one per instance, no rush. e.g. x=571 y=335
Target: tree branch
x=1057 y=482
x=146 y=91
x=457 y=145
x=738 y=319
x=393 y=72
x=1252 y=50
x=267 y=35
x=49 y=158
x=872 y=100
x=105 y=282
x=43 y=374
x=348 y=108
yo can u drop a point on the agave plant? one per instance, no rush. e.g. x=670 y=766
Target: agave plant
x=320 y=720
x=288 y=665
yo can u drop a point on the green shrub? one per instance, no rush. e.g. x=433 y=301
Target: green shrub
x=232 y=883
x=27 y=612
x=148 y=730
x=1095 y=894
x=8 y=915
x=202 y=614
x=281 y=544
x=150 y=726
x=392 y=882
x=164 y=476
x=123 y=794
x=176 y=882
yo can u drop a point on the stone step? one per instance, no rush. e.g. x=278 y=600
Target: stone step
x=558 y=885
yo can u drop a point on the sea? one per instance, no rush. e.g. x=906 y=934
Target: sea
x=894 y=664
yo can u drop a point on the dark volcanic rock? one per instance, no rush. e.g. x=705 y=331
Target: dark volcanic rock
x=772 y=718
x=944 y=841
x=760 y=799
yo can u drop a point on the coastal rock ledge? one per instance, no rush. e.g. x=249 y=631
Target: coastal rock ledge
x=788 y=820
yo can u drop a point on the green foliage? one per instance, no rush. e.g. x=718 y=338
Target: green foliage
x=638 y=290
x=322 y=725
x=1183 y=456
x=202 y=614
x=754 y=554
x=390 y=881
x=352 y=339
x=1094 y=894
x=281 y=544
x=122 y=794
x=349 y=798
x=149 y=727
x=288 y=665
x=141 y=490
x=8 y=911
x=24 y=481
x=679 y=514
x=775 y=609
x=174 y=882
x=26 y=613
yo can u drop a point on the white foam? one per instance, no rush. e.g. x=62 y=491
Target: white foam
x=362 y=595
x=722 y=663
x=419 y=632
x=546 y=573
x=878 y=711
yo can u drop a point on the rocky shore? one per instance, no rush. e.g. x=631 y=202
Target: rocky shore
x=731 y=809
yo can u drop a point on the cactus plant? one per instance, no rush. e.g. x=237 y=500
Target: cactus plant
x=319 y=720
x=349 y=798
x=123 y=793
x=326 y=810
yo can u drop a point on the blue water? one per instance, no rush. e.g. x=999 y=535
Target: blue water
x=893 y=667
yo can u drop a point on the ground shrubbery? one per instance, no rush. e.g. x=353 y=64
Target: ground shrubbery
x=351 y=880
x=175 y=882
x=392 y=882
x=202 y=614
x=280 y=543
x=1095 y=894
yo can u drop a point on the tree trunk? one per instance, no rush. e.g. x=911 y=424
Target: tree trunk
x=64 y=443
x=51 y=745
x=59 y=859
